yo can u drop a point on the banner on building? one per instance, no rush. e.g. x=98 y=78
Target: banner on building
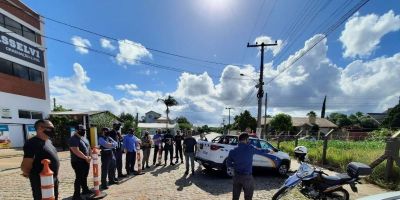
x=5 y=141
x=31 y=131
x=19 y=49
x=5 y=113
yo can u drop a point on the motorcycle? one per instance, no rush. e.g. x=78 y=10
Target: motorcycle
x=313 y=183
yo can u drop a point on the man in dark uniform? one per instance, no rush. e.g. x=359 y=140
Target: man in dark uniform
x=35 y=150
x=116 y=136
x=241 y=159
x=107 y=146
x=168 y=147
x=157 y=139
x=178 y=146
x=80 y=161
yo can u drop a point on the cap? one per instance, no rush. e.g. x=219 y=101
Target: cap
x=105 y=129
x=80 y=127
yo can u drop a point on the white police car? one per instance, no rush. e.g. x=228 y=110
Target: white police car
x=213 y=154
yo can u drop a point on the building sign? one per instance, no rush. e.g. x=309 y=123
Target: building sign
x=15 y=47
x=31 y=131
x=5 y=141
x=5 y=113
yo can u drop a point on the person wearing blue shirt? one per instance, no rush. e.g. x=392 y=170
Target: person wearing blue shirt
x=108 y=161
x=129 y=145
x=241 y=160
x=157 y=139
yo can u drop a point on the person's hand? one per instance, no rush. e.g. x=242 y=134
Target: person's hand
x=26 y=175
x=88 y=159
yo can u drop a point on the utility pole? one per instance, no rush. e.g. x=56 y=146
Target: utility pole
x=265 y=116
x=229 y=118
x=260 y=93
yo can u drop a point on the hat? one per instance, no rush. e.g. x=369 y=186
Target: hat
x=80 y=127
x=105 y=129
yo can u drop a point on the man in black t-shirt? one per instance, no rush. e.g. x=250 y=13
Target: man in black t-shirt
x=168 y=147
x=178 y=146
x=80 y=161
x=190 y=149
x=35 y=150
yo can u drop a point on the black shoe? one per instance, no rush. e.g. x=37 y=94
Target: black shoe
x=87 y=192
x=142 y=168
x=165 y=164
x=147 y=166
x=182 y=161
x=76 y=197
x=113 y=182
x=186 y=172
x=122 y=175
x=172 y=163
x=176 y=162
x=103 y=187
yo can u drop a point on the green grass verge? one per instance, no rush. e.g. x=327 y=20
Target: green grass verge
x=340 y=153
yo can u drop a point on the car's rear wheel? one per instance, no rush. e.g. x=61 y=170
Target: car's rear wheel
x=228 y=171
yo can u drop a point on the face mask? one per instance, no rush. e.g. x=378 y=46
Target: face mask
x=81 y=132
x=107 y=134
x=49 y=132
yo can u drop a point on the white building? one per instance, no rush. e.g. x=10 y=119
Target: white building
x=24 y=90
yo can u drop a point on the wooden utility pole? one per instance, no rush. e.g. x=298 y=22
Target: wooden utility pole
x=260 y=93
x=265 y=116
x=229 y=118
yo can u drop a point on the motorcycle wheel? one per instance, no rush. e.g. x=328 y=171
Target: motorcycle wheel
x=338 y=194
x=280 y=193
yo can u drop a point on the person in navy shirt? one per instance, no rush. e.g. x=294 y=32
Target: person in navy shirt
x=108 y=161
x=241 y=160
x=129 y=144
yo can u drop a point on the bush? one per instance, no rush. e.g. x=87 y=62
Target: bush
x=379 y=135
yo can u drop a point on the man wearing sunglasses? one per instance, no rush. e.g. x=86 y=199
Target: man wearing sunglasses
x=35 y=150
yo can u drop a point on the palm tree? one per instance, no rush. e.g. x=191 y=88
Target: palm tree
x=169 y=101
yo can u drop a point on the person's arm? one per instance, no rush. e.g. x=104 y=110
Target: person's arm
x=195 y=146
x=229 y=160
x=104 y=143
x=27 y=161
x=74 y=146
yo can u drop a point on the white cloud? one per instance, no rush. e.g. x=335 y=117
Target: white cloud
x=268 y=40
x=367 y=86
x=130 y=52
x=126 y=87
x=81 y=44
x=362 y=34
x=106 y=44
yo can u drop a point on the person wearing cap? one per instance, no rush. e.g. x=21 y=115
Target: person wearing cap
x=241 y=160
x=80 y=161
x=178 y=138
x=168 y=140
x=130 y=144
x=157 y=139
x=107 y=146
x=116 y=136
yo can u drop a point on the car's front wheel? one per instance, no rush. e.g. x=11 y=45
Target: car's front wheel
x=283 y=169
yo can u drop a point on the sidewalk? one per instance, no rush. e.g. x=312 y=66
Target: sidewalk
x=12 y=158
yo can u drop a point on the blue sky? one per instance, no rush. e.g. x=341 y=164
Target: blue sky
x=218 y=31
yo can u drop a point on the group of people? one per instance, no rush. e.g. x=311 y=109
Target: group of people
x=112 y=146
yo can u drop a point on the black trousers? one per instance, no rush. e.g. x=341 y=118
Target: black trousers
x=36 y=189
x=156 y=148
x=118 y=158
x=107 y=167
x=245 y=182
x=130 y=162
x=81 y=169
x=169 y=150
x=178 y=149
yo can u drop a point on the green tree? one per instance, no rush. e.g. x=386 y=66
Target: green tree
x=244 y=120
x=281 y=122
x=126 y=117
x=128 y=122
x=102 y=120
x=60 y=108
x=368 y=122
x=168 y=102
x=184 y=123
x=204 y=129
x=354 y=119
x=393 y=118
x=62 y=125
x=311 y=114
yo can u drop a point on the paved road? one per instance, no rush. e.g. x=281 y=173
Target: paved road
x=158 y=183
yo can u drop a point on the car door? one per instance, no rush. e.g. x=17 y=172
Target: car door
x=257 y=158
x=268 y=158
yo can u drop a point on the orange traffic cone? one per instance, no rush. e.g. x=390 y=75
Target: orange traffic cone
x=96 y=181
x=47 y=181
x=139 y=161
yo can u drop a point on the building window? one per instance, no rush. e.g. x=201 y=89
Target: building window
x=13 y=26
x=35 y=75
x=29 y=34
x=21 y=71
x=6 y=67
x=24 y=114
x=37 y=115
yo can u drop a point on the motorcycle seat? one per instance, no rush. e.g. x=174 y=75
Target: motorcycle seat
x=336 y=179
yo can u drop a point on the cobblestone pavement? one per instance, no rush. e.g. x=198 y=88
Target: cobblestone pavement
x=160 y=182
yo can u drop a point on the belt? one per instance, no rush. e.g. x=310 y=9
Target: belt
x=103 y=150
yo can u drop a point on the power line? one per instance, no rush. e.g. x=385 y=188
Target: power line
x=115 y=39
x=329 y=31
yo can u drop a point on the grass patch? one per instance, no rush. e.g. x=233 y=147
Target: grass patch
x=340 y=153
